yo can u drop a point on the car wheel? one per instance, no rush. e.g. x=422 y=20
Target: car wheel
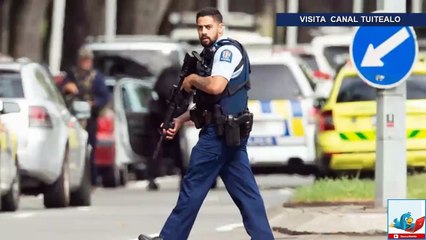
x=57 y=195
x=82 y=196
x=111 y=177
x=124 y=176
x=10 y=201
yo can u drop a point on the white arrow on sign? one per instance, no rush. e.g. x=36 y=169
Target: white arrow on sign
x=372 y=57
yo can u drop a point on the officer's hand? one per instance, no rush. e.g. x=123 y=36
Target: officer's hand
x=71 y=88
x=187 y=83
x=171 y=132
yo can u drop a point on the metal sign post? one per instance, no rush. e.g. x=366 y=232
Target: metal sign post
x=383 y=58
x=391 y=148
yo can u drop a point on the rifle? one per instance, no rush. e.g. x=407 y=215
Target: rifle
x=179 y=99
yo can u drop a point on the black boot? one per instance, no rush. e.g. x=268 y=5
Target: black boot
x=152 y=186
x=143 y=237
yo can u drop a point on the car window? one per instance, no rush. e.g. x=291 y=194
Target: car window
x=308 y=72
x=336 y=55
x=310 y=61
x=135 y=97
x=42 y=81
x=353 y=89
x=134 y=63
x=273 y=81
x=11 y=85
x=52 y=88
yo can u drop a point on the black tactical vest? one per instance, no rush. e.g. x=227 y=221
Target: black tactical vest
x=233 y=100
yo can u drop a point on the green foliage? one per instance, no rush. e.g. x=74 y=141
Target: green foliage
x=355 y=189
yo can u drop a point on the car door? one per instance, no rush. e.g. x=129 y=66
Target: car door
x=131 y=98
x=59 y=115
x=76 y=146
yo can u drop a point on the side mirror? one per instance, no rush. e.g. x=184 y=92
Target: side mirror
x=81 y=109
x=9 y=107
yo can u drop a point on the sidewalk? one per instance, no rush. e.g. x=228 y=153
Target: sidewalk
x=360 y=221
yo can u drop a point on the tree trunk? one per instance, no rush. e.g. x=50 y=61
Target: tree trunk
x=205 y=3
x=141 y=16
x=3 y=21
x=81 y=21
x=95 y=19
x=28 y=28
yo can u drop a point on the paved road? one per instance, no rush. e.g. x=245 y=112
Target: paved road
x=121 y=214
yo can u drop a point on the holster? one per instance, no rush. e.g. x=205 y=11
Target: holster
x=237 y=128
x=234 y=128
x=197 y=115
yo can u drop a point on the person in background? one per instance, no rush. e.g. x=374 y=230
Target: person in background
x=82 y=82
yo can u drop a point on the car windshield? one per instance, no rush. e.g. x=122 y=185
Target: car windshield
x=336 y=55
x=353 y=89
x=134 y=63
x=272 y=81
x=11 y=85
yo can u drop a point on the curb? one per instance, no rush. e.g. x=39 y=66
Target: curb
x=293 y=233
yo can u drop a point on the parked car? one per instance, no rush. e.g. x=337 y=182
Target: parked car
x=346 y=133
x=53 y=150
x=10 y=184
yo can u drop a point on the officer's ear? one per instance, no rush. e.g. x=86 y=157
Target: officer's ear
x=221 y=28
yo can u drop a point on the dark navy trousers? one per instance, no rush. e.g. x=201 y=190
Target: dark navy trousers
x=210 y=158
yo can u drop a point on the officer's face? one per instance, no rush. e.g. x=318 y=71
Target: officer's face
x=86 y=64
x=209 y=30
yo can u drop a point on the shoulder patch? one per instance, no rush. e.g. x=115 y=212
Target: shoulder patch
x=226 y=56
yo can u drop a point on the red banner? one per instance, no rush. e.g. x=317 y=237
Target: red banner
x=406 y=236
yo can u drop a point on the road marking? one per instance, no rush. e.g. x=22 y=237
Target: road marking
x=161 y=180
x=24 y=215
x=229 y=227
x=83 y=209
x=285 y=191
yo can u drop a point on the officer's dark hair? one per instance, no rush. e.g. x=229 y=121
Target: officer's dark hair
x=210 y=11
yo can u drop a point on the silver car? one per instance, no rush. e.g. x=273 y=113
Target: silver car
x=53 y=145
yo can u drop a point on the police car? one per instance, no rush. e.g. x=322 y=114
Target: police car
x=280 y=98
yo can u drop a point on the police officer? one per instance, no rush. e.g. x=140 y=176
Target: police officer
x=84 y=83
x=217 y=153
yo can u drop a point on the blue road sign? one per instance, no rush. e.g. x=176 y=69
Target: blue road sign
x=384 y=56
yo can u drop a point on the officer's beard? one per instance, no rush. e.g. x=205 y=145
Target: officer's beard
x=209 y=43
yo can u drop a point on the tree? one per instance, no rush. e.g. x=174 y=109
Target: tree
x=27 y=28
x=82 y=19
x=141 y=16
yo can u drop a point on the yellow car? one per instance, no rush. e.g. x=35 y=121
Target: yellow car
x=346 y=136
